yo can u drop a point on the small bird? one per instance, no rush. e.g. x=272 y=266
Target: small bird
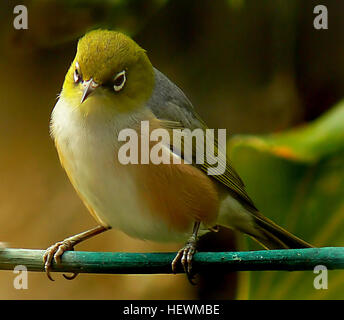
x=111 y=85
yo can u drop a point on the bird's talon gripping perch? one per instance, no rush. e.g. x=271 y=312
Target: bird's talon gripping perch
x=55 y=252
x=185 y=255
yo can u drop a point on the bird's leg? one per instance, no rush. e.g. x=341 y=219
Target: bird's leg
x=185 y=254
x=56 y=251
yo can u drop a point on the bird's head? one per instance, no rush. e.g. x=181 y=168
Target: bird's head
x=110 y=70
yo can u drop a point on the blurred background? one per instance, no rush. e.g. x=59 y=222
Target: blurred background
x=258 y=68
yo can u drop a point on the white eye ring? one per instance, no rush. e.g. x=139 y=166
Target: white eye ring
x=119 y=81
x=76 y=75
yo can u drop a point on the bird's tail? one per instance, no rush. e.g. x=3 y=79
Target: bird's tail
x=272 y=236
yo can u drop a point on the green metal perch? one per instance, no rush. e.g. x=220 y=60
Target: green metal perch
x=152 y=263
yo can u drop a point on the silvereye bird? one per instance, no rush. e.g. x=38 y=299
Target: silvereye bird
x=111 y=85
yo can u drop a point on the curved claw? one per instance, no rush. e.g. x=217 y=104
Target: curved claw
x=73 y=276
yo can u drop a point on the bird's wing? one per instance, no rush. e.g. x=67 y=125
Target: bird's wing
x=175 y=111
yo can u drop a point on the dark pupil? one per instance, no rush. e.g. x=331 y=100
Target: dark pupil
x=119 y=80
x=77 y=75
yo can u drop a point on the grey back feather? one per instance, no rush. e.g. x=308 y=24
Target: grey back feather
x=168 y=102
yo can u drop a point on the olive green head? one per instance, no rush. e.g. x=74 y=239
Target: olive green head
x=109 y=69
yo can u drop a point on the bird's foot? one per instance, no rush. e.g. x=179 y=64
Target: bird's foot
x=55 y=252
x=185 y=256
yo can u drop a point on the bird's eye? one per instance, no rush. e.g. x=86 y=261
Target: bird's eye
x=119 y=81
x=77 y=76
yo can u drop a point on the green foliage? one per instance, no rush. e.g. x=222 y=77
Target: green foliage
x=296 y=178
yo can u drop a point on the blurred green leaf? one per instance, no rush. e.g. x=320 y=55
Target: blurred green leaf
x=296 y=178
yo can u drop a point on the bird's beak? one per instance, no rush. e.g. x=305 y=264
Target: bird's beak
x=89 y=87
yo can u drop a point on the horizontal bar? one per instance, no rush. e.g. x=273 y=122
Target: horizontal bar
x=153 y=263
